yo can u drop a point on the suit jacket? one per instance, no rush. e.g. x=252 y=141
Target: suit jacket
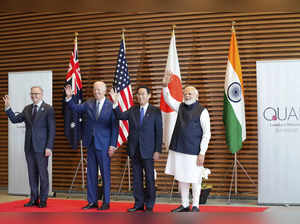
x=146 y=137
x=41 y=131
x=105 y=129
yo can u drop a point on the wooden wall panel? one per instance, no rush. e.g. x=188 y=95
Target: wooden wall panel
x=44 y=41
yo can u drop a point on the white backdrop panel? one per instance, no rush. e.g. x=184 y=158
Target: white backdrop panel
x=19 y=91
x=278 y=91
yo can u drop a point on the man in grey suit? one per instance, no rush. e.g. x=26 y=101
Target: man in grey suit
x=39 y=121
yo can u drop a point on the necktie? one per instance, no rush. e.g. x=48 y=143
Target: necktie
x=141 y=115
x=34 y=112
x=97 y=110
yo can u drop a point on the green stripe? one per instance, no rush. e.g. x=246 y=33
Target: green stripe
x=232 y=126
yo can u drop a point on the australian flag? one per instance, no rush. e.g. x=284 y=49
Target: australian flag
x=73 y=120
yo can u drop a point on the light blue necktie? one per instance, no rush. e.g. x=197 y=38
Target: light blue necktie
x=141 y=115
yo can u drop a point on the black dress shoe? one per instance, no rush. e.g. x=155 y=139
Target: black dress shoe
x=32 y=203
x=90 y=205
x=195 y=209
x=181 y=209
x=43 y=204
x=149 y=210
x=104 y=206
x=134 y=209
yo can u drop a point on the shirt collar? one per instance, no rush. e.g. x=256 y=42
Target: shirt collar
x=38 y=104
x=101 y=101
x=145 y=107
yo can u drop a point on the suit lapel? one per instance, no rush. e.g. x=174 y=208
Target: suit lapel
x=29 y=111
x=148 y=113
x=102 y=112
x=95 y=108
x=39 y=112
x=137 y=114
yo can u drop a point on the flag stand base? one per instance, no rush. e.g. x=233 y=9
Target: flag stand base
x=234 y=177
x=80 y=163
x=127 y=166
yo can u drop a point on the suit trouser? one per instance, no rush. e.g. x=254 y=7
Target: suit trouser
x=37 y=164
x=140 y=196
x=95 y=159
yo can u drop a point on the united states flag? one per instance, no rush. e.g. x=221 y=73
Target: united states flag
x=73 y=120
x=123 y=87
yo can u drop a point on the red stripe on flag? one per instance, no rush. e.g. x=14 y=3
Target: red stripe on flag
x=130 y=96
x=124 y=100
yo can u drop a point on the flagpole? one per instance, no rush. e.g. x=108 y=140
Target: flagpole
x=81 y=147
x=235 y=156
x=232 y=26
x=128 y=160
x=234 y=168
x=81 y=162
x=173 y=29
x=123 y=38
x=172 y=188
x=127 y=164
x=76 y=35
x=236 y=161
x=235 y=173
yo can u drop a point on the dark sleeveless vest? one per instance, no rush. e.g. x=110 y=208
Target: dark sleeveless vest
x=187 y=134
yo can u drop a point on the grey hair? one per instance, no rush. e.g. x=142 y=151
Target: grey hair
x=102 y=83
x=194 y=89
x=39 y=87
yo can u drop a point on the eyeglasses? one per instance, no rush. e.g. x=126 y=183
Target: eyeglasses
x=35 y=94
x=143 y=94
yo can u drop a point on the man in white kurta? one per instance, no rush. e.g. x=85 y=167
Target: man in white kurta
x=184 y=164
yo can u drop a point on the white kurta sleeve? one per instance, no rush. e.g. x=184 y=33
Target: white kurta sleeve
x=205 y=124
x=174 y=104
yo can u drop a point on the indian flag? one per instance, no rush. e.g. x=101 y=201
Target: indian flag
x=234 y=105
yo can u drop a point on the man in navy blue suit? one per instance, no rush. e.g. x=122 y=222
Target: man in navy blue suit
x=100 y=137
x=144 y=145
x=39 y=121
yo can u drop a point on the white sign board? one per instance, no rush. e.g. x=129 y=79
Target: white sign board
x=278 y=91
x=19 y=84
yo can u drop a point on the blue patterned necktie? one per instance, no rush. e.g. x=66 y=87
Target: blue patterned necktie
x=141 y=115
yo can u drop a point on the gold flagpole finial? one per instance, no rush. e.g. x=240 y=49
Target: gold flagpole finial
x=123 y=37
x=76 y=35
x=173 y=28
x=232 y=26
x=123 y=33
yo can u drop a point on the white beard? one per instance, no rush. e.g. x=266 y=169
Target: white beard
x=189 y=102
